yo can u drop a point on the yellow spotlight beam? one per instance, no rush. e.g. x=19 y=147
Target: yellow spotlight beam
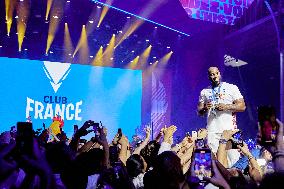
x=133 y=63
x=23 y=14
x=129 y=31
x=68 y=46
x=150 y=69
x=55 y=18
x=165 y=59
x=84 y=46
x=9 y=8
x=104 y=12
x=48 y=7
x=108 y=53
x=81 y=40
x=145 y=56
x=98 y=60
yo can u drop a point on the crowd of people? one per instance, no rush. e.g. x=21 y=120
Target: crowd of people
x=63 y=163
x=216 y=157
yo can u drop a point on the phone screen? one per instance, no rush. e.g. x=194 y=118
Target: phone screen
x=203 y=163
x=96 y=128
x=237 y=138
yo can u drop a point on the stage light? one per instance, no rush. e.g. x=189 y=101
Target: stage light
x=23 y=11
x=83 y=46
x=25 y=49
x=91 y=21
x=128 y=17
x=145 y=56
x=1 y=46
x=128 y=30
x=9 y=7
x=91 y=56
x=99 y=7
x=51 y=52
x=98 y=60
x=48 y=7
x=133 y=63
x=156 y=27
x=165 y=59
x=154 y=57
x=68 y=1
x=108 y=53
x=16 y=17
x=68 y=46
x=56 y=11
x=147 y=40
x=132 y=51
x=104 y=12
x=168 y=47
x=148 y=10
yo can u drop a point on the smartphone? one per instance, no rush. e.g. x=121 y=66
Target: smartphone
x=24 y=138
x=119 y=132
x=96 y=128
x=113 y=154
x=203 y=163
x=237 y=139
x=267 y=124
x=200 y=143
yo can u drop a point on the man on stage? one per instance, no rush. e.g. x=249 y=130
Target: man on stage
x=220 y=102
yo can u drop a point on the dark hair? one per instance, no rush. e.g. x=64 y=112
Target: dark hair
x=168 y=171
x=150 y=152
x=273 y=180
x=59 y=156
x=134 y=165
x=115 y=177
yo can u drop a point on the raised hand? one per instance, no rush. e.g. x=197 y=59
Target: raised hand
x=6 y=166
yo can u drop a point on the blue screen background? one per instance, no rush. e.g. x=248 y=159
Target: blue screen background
x=110 y=95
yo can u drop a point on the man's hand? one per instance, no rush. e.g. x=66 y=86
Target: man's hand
x=148 y=132
x=208 y=105
x=168 y=134
x=244 y=149
x=102 y=137
x=227 y=134
x=83 y=130
x=221 y=107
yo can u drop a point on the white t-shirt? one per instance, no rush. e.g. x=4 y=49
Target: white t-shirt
x=218 y=121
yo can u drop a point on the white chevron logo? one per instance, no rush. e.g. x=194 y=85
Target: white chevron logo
x=56 y=73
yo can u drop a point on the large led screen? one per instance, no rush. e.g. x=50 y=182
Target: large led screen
x=40 y=90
